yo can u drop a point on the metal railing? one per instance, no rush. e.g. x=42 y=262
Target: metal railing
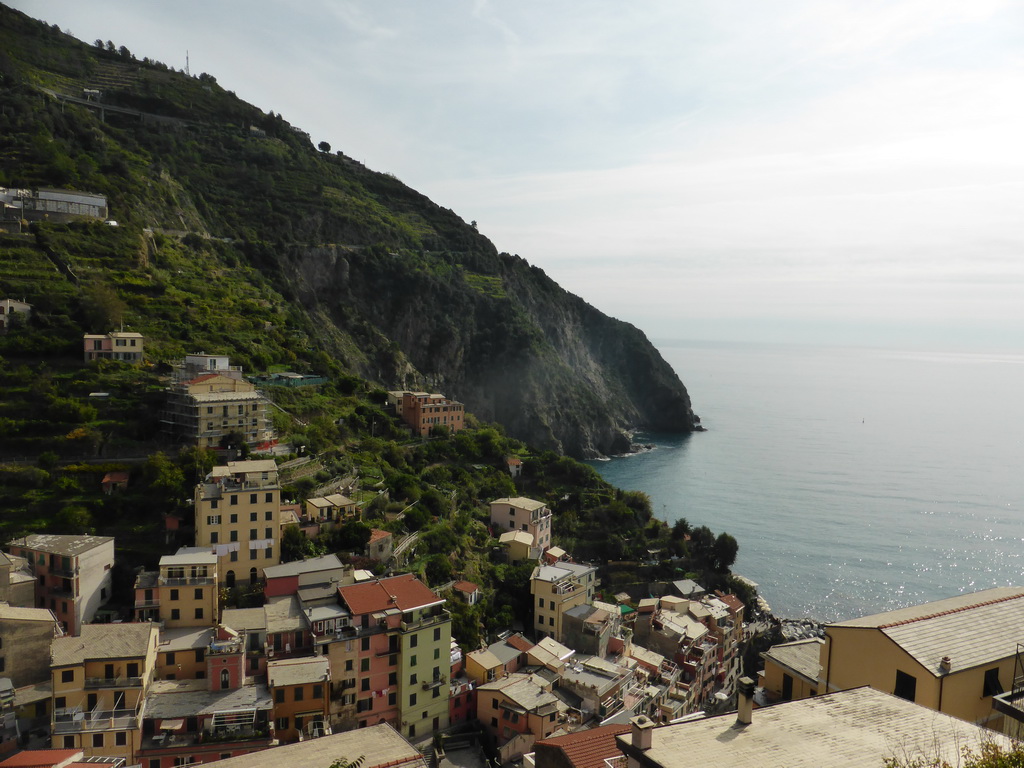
x=113 y=682
x=75 y=720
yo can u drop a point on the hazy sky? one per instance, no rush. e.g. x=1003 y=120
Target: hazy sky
x=792 y=171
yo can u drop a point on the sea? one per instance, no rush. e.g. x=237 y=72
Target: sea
x=855 y=480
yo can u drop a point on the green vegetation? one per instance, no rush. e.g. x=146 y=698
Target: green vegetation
x=236 y=236
x=989 y=755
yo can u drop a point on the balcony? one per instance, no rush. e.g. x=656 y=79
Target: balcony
x=113 y=682
x=147 y=603
x=426 y=621
x=188 y=581
x=76 y=721
x=67 y=573
x=435 y=683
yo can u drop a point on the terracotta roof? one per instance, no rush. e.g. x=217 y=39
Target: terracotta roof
x=586 y=749
x=465 y=586
x=37 y=758
x=204 y=377
x=119 y=476
x=404 y=592
x=732 y=601
x=519 y=642
x=376 y=534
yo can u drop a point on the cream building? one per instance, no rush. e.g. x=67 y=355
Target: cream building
x=556 y=589
x=183 y=593
x=952 y=655
x=100 y=680
x=522 y=514
x=238 y=510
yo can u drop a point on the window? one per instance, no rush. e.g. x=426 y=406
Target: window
x=270 y=500
x=551 y=621
x=199 y=613
x=279 y=696
x=364 y=665
x=437 y=634
x=318 y=691
x=234 y=517
x=413 y=679
x=225 y=679
x=269 y=553
x=97 y=740
x=412 y=660
x=252 y=498
x=299 y=693
x=234 y=535
x=992 y=685
x=234 y=499
x=364 y=645
x=365 y=685
x=213 y=519
x=437 y=653
x=253 y=516
x=349 y=666
x=270 y=512
x=200 y=654
x=282 y=723
x=214 y=536
x=414 y=641
x=787 y=687
x=412 y=699
x=174 y=594
x=270 y=533
x=252 y=534
x=120 y=738
x=392 y=699
x=67 y=676
x=906 y=686
x=175 y=614
x=233 y=556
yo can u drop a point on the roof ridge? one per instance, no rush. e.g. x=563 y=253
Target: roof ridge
x=951 y=611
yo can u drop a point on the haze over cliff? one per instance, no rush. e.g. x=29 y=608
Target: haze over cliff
x=338 y=262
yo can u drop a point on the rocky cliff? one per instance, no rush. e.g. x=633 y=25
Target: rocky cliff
x=366 y=270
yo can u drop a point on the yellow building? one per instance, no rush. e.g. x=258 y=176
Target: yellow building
x=238 y=510
x=100 y=680
x=791 y=670
x=183 y=593
x=181 y=654
x=300 y=689
x=950 y=655
x=556 y=589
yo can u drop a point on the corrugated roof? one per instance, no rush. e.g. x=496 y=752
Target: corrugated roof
x=973 y=630
x=296 y=567
x=801 y=656
x=103 y=641
x=191 y=698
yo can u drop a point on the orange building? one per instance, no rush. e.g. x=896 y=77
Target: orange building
x=423 y=411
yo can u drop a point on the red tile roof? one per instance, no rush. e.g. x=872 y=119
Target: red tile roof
x=731 y=600
x=586 y=749
x=519 y=642
x=405 y=592
x=37 y=758
x=465 y=586
x=376 y=534
x=202 y=378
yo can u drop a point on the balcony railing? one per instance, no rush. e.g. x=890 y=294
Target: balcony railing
x=435 y=683
x=67 y=573
x=188 y=581
x=426 y=621
x=113 y=682
x=74 y=720
x=147 y=603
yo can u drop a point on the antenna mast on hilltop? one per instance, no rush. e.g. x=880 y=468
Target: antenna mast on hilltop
x=186 y=63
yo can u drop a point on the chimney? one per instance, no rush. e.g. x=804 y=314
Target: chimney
x=946 y=664
x=643 y=731
x=745 y=709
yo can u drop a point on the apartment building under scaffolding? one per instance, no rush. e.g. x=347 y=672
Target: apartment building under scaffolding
x=209 y=400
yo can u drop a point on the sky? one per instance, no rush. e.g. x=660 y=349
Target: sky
x=801 y=171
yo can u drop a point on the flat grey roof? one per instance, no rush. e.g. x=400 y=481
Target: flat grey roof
x=310 y=669
x=61 y=544
x=188 y=698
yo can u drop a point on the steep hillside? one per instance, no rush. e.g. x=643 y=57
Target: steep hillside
x=299 y=256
